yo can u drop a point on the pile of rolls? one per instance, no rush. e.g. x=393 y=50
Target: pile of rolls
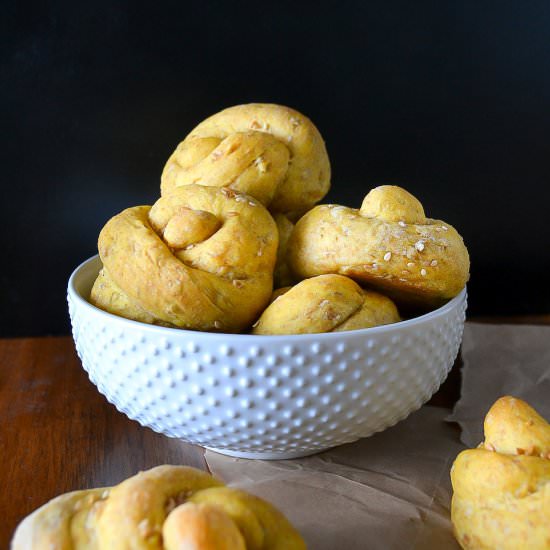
x=236 y=243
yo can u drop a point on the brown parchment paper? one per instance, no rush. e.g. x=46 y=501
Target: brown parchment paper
x=501 y=360
x=392 y=490
x=387 y=491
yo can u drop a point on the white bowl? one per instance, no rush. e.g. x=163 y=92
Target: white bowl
x=266 y=397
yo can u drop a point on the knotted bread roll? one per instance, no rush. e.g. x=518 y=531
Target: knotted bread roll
x=167 y=507
x=388 y=244
x=327 y=303
x=201 y=258
x=501 y=489
x=270 y=152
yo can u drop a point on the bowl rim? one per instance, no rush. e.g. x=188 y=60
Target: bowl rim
x=75 y=295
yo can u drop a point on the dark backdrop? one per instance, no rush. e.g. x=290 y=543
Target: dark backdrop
x=449 y=99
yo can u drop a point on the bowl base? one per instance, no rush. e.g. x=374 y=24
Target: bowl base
x=266 y=455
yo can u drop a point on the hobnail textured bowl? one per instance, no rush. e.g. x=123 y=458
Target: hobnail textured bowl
x=263 y=397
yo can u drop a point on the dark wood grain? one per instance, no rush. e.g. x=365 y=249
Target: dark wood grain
x=57 y=433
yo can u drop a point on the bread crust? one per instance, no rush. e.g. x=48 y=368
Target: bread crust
x=268 y=151
x=167 y=507
x=220 y=283
x=388 y=244
x=326 y=303
x=501 y=496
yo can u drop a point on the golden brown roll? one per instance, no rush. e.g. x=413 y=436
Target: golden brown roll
x=501 y=489
x=388 y=244
x=167 y=507
x=201 y=258
x=327 y=303
x=282 y=275
x=268 y=151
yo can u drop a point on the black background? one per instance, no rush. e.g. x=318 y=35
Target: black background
x=448 y=99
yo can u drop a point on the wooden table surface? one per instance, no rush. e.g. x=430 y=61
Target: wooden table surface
x=58 y=433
